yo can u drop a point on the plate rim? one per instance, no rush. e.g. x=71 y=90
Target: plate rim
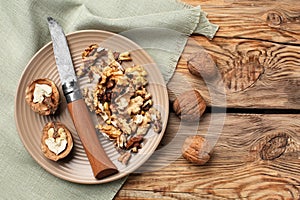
x=48 y=169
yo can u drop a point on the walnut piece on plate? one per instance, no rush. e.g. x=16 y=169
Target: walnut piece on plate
x=42 y=96
x=57 y=141
x=120 y=99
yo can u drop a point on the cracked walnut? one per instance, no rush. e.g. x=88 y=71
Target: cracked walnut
x=120 y=99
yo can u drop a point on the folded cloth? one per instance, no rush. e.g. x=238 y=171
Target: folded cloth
x=160 y=26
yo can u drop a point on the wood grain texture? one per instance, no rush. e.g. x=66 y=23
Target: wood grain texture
x=236 y=170
x=276 y=21
x=259 y=71
x=255 y=156
x=252 y=74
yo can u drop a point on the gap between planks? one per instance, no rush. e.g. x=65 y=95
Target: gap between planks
x=253 y=39
x=252 y=110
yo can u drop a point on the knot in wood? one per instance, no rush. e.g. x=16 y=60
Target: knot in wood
x=274 y=147
x=274 y=18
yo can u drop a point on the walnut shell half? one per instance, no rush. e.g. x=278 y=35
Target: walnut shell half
x=50 y=104
x=47 y=152
x=189 y=105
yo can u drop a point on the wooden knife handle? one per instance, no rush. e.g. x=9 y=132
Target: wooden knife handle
x=100 y=163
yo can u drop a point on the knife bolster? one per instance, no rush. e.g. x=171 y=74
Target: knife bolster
x=71 y=91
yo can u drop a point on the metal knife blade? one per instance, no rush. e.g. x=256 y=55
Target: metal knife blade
x=62 y=53
x=100 y=163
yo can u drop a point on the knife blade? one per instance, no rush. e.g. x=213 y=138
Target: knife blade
x=101 y=165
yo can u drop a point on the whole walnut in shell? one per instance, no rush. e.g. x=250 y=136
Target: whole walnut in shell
x=57 y=132
x=189 y=105
x=196 y=150
x=202 y=65
x=47 y=104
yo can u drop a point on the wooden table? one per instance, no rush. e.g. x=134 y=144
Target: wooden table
x=257 y=150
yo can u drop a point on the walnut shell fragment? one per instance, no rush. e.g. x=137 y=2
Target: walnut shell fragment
x=189 y=105
x=202 y=65
x=56 y=130
x=196 y=150
x=47 y=104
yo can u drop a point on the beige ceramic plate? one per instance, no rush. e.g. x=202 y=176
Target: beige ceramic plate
x=76 y=167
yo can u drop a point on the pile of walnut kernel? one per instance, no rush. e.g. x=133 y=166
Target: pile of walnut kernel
x=120 y=99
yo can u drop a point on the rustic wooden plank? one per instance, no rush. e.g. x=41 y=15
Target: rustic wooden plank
x=247 y=162
x=276 y=21
x=275 y=86
x=153 y=195
x=256 y=156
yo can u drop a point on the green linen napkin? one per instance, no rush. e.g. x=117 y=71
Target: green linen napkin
x=24 y=31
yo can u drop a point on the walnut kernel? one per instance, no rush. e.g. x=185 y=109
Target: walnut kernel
x=57 y=134
x=43 y=102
